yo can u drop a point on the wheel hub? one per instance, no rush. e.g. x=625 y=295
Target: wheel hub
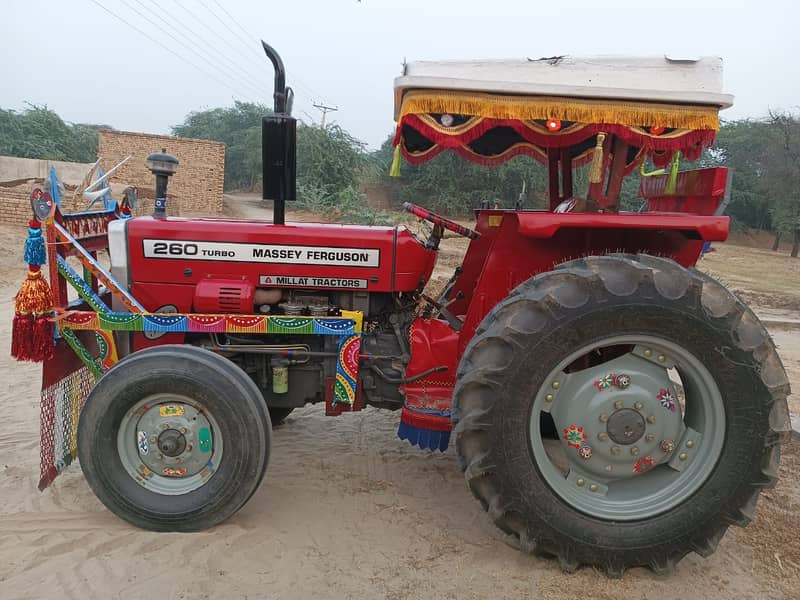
x=613 y=420
x=169 y=444
x=624 y=450
x=626 y=426
x=172 y=442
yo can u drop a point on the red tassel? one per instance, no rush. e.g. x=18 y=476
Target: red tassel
x=32 y=332
x=42 y=349
x=22 y=336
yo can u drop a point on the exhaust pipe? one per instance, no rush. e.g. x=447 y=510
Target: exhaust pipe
x=279 y=144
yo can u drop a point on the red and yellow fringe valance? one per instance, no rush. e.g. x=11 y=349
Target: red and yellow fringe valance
x=688 y=141
x=495 y=106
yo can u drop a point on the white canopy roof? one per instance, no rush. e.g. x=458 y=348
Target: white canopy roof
x=649 y=79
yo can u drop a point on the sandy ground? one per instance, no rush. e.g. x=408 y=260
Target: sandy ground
x=346 y=510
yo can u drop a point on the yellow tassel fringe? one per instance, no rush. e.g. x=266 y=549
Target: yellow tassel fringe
x=495 y=106
x=596 y=170
x=34 y=295
x=394 y=171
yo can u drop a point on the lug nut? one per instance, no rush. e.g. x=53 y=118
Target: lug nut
x=635 y=451
x=579 y=482
x=556 y=385
x=159 y=456
x=608 y=467
x=184 y=430
x=165 y=426
x=661 y=358
x=648 y=353
x=683 y=456
x=548 y=398
x=690 y=444
x=651 y=419
x=615 y=450
x=638 y=405
x=602 y=436
x=603 y=418
x=153 y=439
x=189 y=448
x=618 y=404
x=593 y=487
x=649 y=437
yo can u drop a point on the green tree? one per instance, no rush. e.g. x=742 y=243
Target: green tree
x=239 y=127
x=328 y=160
x=38 y=132
x=780 y=181
x=453 y=185
x=740 y=145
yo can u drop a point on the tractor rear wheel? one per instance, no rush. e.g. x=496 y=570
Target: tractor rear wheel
x=620 y=411
x=174 y=438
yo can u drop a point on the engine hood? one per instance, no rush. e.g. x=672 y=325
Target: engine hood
x=179 y=250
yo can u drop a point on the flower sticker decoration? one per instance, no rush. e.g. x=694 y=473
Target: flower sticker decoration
x=644 y=464
x=585 y=452
x=622 y=381
x=667 y=399
x=574 y=436
x=605 y=382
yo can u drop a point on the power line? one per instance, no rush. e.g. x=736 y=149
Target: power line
x=211 y=29
x=216 y=33
x=169 y=34
x=300 y=83
x=168 y=49
x=325 y=110
x=193 y=35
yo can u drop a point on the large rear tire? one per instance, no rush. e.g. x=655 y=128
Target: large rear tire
x=668 y=397
x=174 y=438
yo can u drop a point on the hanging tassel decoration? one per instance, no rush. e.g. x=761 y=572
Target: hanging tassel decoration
x=394 y=171
x=596 y=170
x=34 y=246
x=672 y=180
x=32 y=331
x=22 y=336
x=42 y=344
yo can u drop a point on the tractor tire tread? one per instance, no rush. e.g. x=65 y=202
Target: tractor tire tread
x=546 y=298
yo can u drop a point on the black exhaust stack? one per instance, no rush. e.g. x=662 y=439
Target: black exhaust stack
x=279 y=144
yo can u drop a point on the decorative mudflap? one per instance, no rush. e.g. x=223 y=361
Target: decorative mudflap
x=425 y=417
x=427 y=428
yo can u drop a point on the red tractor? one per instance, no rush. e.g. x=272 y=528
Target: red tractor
x=609 y=404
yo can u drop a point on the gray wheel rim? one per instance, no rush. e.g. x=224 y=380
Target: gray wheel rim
x=170 y=444
x=635 y=445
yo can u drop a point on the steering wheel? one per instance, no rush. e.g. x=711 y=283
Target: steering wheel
x=424 y=213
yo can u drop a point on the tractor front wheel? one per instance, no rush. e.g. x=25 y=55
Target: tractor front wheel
x=174 y=438
x=620 y=411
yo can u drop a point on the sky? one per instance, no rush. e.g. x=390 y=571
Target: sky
x=90 y=67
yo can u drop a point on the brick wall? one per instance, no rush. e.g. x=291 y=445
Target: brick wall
x=15 y=201
x=195 y=189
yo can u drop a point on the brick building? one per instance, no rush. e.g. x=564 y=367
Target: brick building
x=197 y=187
x=15 y=201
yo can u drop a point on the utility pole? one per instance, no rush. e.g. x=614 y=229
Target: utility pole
x=325 y=110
